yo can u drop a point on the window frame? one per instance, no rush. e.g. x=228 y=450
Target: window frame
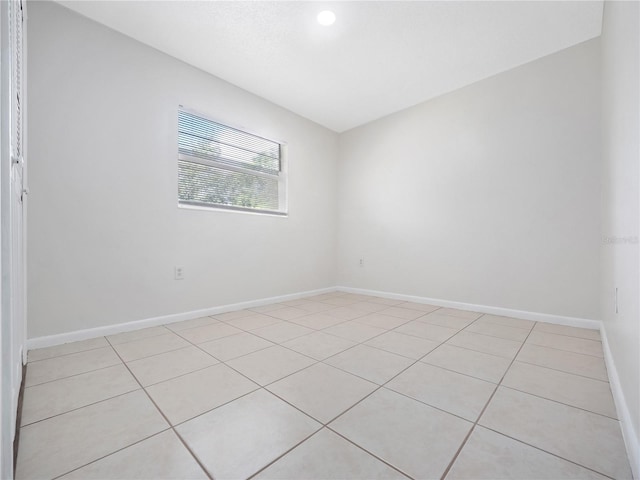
x=282 y=177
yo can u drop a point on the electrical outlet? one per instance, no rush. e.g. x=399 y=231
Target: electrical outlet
x=362 y=262
x=179 y=273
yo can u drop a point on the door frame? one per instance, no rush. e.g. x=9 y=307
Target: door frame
x=12 y=239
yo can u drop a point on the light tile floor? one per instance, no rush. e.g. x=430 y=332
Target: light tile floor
x=336 y=386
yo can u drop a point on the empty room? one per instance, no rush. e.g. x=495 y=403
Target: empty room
x=320 y=240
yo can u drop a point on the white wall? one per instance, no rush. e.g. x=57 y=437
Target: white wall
x=620 y=212
x=105 y=231
x=488 y=195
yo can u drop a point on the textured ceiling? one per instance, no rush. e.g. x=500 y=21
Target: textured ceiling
x=378 y=58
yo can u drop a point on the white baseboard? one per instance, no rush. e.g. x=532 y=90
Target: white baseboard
x=505 y=312
x=59 y=339
x=631 y=439
x=630 y=435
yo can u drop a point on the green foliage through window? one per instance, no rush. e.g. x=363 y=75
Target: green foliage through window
x=225 y=167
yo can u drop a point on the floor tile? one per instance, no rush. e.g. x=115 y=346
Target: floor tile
x=328 y=456
x=368 y=307
x=449 y=321
x=185 y=397
x=195 y=322
x=315 y=307
x=321 y=297
x=125 y=337
x=417 y=439
x=319 y=345
x=232 y=315
x=500 y=331
x=317 y=321
x=235 y=346
x=569 y=344
x=582 y=437
x=207 y=333
x=486 y=344
x=452 y=392
x=61 y=396
x=341 y=301
x=60 y=444
x=382 y=321
x=68 y=365
x=384 y=301
x=242 y=437
x=587 y=333
x=405 y=345
x=345 y=313
x=370 y=363
x=487 y=455
x=360 y=297
x=429 y=331
x=581 y=392
x=281 y=332
x=462 y=360
x=288 y=313
x=321 y=391
x=162 y=456
x=270 y=364
x=454 y=312
x=421 y=307
x=67 y=348
x=149 y=346
x=576 y=363
x=252 y=322
x=299 y=301
x=270 y=307
x=405 y=313
x=159 y=368
x=507 y=321
x=357 y=332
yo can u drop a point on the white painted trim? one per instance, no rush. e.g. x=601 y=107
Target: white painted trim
x=631 y=439
x=59 y=339
x=505 y=312
x=630 y=435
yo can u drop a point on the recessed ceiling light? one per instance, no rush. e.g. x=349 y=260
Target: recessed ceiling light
x=326 y=18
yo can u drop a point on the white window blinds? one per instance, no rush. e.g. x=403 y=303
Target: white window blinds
x=223 y=167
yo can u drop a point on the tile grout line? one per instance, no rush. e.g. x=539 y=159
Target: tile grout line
x=171 y=426
x=545 y=451
x=198 y=369
x=67 y=354
x=569 y=351
x=495 y=336
x=540 y=330
x=378 y=387
x=79 y=408
x=316 y=361
x=112 y=453
x=295 y=407
x=564 y=371
x=153 y=354
x=106 y=337
x=486 y=405
x=397 y=469
x=560 y=403
x=73 y=375
x=285 y=453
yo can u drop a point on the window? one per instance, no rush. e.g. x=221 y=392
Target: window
x=223 y=167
